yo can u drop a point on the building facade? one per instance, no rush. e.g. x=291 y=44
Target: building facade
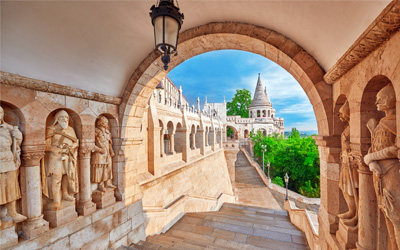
x=261 y=116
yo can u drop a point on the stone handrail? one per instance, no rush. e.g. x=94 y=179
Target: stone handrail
x=160 y=219
x=306 y=221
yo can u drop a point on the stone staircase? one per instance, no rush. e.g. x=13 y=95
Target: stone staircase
x=234 y=226
x=250 y=188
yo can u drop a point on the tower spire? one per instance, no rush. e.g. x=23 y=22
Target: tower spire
x=260 y=98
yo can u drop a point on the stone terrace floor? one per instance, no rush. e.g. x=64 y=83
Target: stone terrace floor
x=233 y=227
x=256 y=221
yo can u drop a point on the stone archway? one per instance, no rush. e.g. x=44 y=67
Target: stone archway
x=239 y=36
x=235 y=134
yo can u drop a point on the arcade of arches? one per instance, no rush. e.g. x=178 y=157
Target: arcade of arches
x=130 y=168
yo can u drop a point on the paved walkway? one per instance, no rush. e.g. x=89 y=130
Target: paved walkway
x=232 y=227
x=250 y=189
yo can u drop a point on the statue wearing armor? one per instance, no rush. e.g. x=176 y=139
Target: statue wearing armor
x=348 y=176
x=10 y=142
x=101 y=160
x=60 y=176
x=383 y=162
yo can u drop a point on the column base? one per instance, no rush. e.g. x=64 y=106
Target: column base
x=346 y=236
x=8 y=236
x=333 y=223
x=62 y=216
x=33 y=227
x=103 y=199
x=86 y=208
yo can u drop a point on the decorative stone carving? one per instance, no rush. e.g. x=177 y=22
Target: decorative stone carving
x=101 y=160
x=371 y=39
x=59 y=173
x=10 y=142
x=348 y=177
x=383 y=162
x=30 y=83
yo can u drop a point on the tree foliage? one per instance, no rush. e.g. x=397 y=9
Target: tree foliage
x=240 y=103
x=297 y=156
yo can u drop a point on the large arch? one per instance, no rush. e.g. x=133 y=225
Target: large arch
x=239 y=36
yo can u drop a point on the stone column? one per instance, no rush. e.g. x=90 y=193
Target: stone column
x=193 y=140
x=86 y=206
x=221 y=138
x=172 y=143
x=230 y=150
x=32 y=191
x=367 y=211
x=186 y=145
x=154 y=146
x=162 y=143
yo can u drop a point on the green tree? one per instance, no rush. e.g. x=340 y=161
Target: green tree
x=297 y=156
x=240 y=103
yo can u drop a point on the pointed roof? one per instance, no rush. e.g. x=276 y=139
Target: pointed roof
x=260 y=97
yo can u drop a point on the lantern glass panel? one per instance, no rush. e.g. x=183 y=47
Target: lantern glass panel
x=171 y=31
x=158 y=31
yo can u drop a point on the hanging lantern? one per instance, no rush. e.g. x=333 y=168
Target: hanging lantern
x=167 y=21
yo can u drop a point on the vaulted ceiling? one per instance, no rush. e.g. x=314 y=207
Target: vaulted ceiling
x=96 y=45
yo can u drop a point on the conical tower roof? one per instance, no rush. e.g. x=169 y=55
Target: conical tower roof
x=260 y=98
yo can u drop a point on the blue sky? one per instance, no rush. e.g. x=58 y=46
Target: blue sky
x=218 y=73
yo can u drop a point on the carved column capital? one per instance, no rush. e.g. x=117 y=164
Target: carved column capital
x=32 y=154
x=85 y=150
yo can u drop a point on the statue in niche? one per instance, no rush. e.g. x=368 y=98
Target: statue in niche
x=383 y=162
x=348 y=176
x=60 y=175
x=10 y=142
x=101 y=160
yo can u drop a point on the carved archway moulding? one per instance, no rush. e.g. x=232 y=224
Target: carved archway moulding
x=384 y=26
x=238 y=36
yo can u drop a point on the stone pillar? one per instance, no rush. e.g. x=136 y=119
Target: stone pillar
x=206 y=137
x=329 y=151
x=186 y=145
x=154 y=146
x=212 y=139
x=32 y=191
x=230 y=150
x=172 y=143
x=193 y=140
x=367 y=211
x=86 y=206
x=221 y=138
x=162 y=143
x=202 y=141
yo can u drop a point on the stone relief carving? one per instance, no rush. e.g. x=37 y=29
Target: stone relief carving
x=101 y=160
x=383 y=162
x=10 y=143
x=367 y=43
x=60 y=175
x=348 y=177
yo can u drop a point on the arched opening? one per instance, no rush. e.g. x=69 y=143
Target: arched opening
x=251 y=114
x=199 y=137
x=211 y=136
x=246 y=133
x=301 y=65
x=169 y=138
x=264 y=113
x=179 y=138
x=258 y=113
x=232 y=133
